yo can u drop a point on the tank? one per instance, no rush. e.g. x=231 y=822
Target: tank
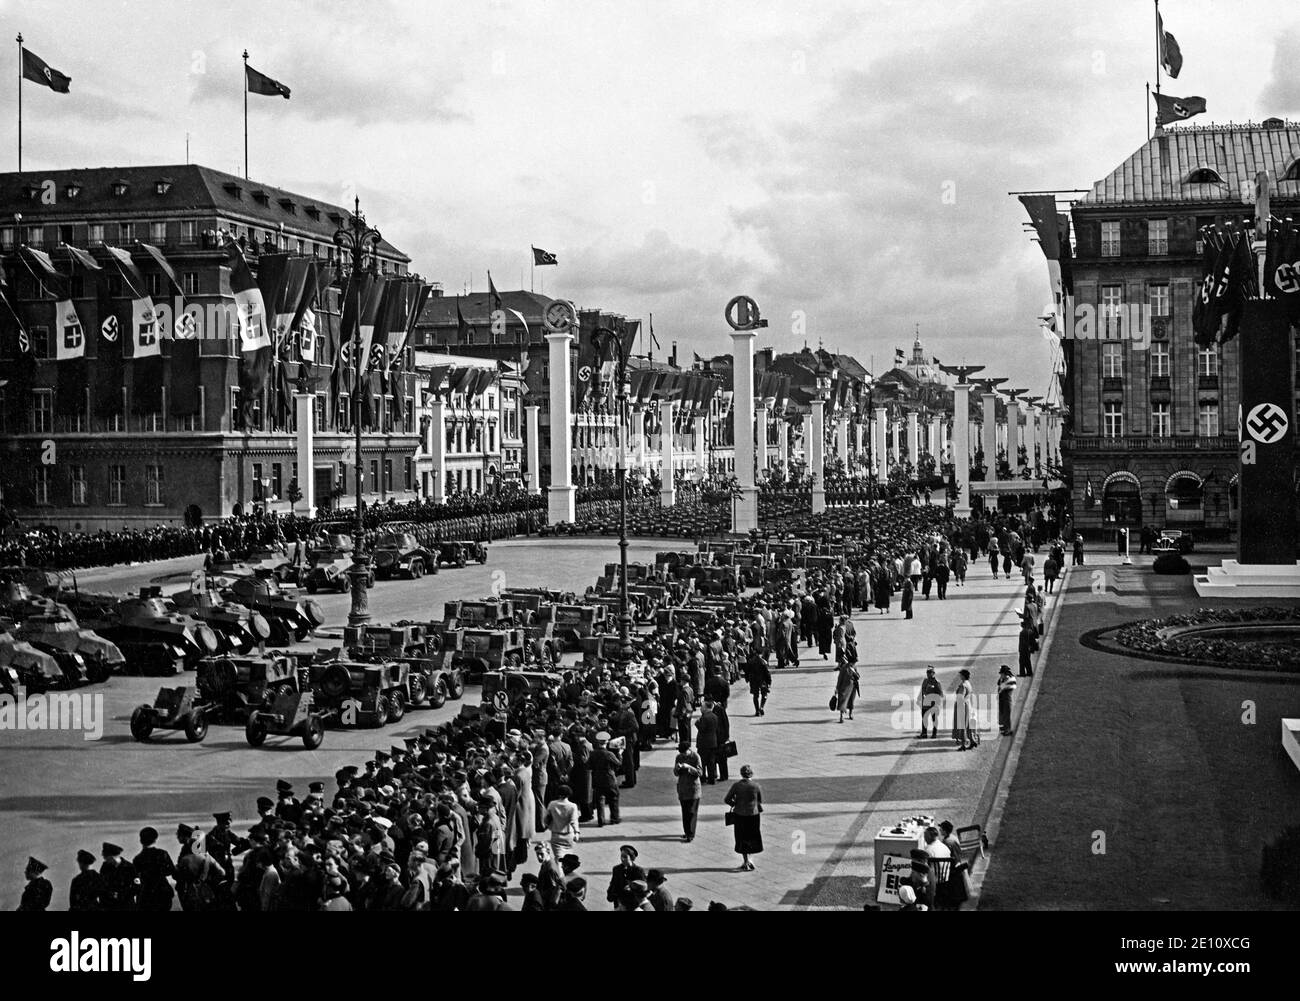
x=25 y=665
x=239 y=629
x=58 y=629
x=154 y=638
x=290 y=619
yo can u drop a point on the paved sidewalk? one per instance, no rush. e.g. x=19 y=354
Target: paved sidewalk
x=828 y=787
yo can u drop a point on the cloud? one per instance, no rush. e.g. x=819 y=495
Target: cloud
x=402 y=87
x=1281 y=96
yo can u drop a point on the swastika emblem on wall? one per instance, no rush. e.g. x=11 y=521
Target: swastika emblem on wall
x=1267 y=423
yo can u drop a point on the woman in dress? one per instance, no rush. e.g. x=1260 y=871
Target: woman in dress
x=562 y=822
x=846 y=688
x=1006 y=692
x=963 y=712
x=746 y=801
x=490 y=843
x=525 y=818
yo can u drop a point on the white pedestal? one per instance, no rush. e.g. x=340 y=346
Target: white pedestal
x=305 y=412
x=667 y=480
x=817 y=460
x=534 y=451
x=1249 y=580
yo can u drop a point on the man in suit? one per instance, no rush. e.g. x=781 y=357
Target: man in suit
x=706 y=741
x=623 y=874
x=931 y=701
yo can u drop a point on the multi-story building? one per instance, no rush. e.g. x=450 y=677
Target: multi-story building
x=1151 y=433
x=476 y=408
x=138 y=444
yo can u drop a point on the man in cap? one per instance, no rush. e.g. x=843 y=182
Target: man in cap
x=266 y=818
x=38 y=891
x=575 y=892
x=184 y=836
x=448 y=892
x=931 y=702
x=624 y=873
x=153 y=869
x=491 y=894
x=84 y=893
x=287 y=808
x=119 y=889
x=604 y=765
x=222 y=843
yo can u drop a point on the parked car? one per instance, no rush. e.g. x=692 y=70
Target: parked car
x=1173 y=540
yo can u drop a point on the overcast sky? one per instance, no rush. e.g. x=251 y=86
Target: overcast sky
x=674 y=154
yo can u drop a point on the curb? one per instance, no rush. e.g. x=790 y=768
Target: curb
x=994 y=801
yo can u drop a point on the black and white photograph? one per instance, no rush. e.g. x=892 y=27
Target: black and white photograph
x=553 y=455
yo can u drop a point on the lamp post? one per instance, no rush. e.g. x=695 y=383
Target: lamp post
x=606 y=342
x=359 y=241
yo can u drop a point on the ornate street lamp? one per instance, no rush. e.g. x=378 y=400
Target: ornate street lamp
x=609 y=345
x=358 y=241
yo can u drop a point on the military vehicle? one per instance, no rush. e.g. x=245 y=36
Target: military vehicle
x=329 y=570
x=290 y=714
x=22 y=664
x=173 y=709
x=360 y=693
x=290 y=619
x=400 y=553
x=231 y=687
x=57 y=631
x=153 y=638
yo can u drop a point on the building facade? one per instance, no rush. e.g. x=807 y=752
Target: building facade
x=138 y=445
x=1152 y=426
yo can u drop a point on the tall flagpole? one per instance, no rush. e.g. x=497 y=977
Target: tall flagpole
x=20 y=100
x=1158 y=40
x=245 y=114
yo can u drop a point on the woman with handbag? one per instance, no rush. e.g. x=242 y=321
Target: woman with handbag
x=746 y=801
x=846 y=688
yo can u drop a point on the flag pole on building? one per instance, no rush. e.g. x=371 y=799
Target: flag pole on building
x=20 y=100
x=245 y=114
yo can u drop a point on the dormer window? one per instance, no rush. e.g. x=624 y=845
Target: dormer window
x=31 y=192
x=234 y=190
x=120 y=188
x=312 y=212
x=162 y=185
x=1204 y=175
x=261 y=197
x=71 y=190
x=289 y=206
x=336 y=218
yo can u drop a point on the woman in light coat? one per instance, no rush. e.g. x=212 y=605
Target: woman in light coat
x=963 y=712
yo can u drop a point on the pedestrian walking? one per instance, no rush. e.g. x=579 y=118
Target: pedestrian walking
x=689 y=770
x=746 y=801
x=706 y=741
x=905 y=600
x=1051 y=571
x=562 y=822
x=1028 y=645
x=846 y=689
x=931 y=703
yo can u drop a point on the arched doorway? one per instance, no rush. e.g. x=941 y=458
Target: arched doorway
x=1184 y=499
x=1121 y=500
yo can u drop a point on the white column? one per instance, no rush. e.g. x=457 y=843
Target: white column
x=561 y=497
x=807 y=441
x=1013 y=437
x=701 y=448
x=534 y=450
x=914 y=438
x=1043 y=446
x=895 y=450
x=305 y=411
x=667 y=484
x=990 y=443
x=783 y=444
x=934 y=444
x=742 y=402
x=818 y=460
x=961 y=448
x=760 y=442
x=438 y=448
x=842 y=441
x=878 y=446
x=864 y=430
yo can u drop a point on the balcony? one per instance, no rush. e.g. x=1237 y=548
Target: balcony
x=1146 y=443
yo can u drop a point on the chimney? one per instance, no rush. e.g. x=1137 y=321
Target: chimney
x=672 y=358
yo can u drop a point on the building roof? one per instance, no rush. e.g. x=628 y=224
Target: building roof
x=188 y=187
x=1160 y=169
x=440 y=310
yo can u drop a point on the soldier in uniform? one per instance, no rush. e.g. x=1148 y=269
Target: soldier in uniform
x=84 y=893
x=38 y=891
x=266 y=815
x=288 y=808
x=624 y=873
x=153 y=867
x=184 y=835
x=222 y=844
x=383 y=770
x=119 y=889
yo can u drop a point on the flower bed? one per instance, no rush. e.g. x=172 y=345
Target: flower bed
x=1176 y=636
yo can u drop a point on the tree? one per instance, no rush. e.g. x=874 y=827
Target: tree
x=292 y=492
